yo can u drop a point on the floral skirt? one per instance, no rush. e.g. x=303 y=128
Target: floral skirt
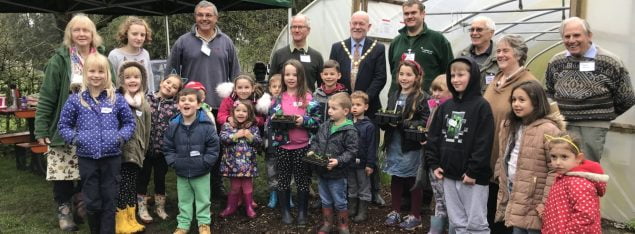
x=62 y=163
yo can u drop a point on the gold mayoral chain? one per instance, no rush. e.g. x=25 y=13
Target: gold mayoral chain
x=350 y=56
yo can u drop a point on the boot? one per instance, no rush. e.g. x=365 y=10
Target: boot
x=362 y=212
x=122 y=224
x=65 y=218
x=159 y=202
x=249 y=208
x=79 y=208
x=180 y=231
x=284 y=207
x=327 y=217
x=232 y=204
x=437 y=225
x=303 y=204
x=342 y=226
x=135 y=226
x=94 y=222
x=377 y=199
x=273 y=199
x=142 y=202
x=352 y=206
x=204 y=229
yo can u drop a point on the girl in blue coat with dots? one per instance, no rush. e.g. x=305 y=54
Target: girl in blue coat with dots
x=98 y=121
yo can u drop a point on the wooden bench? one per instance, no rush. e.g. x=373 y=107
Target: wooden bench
x=15 y=138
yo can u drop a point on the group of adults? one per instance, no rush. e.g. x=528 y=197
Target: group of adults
x=590 y=85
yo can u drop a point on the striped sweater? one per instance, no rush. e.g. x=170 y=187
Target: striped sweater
x=602 y=94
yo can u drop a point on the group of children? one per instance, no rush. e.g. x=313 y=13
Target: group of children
x=122 y=134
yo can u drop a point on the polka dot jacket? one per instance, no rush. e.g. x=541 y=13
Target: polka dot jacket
x=98 y=130
x=573 y=205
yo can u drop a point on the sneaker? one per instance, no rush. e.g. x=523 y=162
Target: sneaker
x=392 y=219
x=410 y=223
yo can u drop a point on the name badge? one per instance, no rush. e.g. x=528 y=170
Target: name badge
x=489 y=79
x=195 y=153
x=297 y=104
x=587 y=66
x=305 y=58
x=139 y=113
x=205 y=49
x=106 y=110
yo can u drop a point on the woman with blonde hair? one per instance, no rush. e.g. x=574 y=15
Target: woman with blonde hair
x=62 y=76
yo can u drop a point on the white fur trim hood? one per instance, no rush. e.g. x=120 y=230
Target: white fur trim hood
x=225 y=89
x=590 y=176
x=263 y=104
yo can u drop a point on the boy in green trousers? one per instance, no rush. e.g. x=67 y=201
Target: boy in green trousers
x=191 y=148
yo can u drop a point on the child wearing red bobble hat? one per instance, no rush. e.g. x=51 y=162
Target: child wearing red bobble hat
x=201 y=89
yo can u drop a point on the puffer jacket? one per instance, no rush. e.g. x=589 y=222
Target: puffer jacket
x=98 y=130
x=191 y=150
x=574 y=201
x=534 y=173
x=341 y=144
x=163 y=109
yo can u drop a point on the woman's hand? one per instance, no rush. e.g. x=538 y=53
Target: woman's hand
x=44 y=141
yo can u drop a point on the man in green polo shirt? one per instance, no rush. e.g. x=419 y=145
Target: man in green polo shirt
x=417 y=42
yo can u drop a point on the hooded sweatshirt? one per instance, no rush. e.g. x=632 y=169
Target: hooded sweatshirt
x=462 y=131
x=573 y=205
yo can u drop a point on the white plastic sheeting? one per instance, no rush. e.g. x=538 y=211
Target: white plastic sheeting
x=612 y=28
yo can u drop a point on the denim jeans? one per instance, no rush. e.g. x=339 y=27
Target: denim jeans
x=525 y=231
x=333 y=191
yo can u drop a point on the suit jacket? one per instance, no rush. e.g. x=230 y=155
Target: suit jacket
x=371 y=76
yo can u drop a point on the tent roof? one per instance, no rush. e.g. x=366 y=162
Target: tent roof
x=132 y=7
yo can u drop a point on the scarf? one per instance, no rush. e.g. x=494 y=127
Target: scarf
x=134 y=101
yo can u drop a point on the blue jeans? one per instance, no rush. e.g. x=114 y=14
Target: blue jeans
x=525 y=231
x=333 y=191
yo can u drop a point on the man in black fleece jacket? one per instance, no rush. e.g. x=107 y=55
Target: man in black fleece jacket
x=459 y=146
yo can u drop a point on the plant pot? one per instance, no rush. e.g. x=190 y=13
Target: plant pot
x=283 y=122
x=315 y=159
x=388 y=118
x=415 y=134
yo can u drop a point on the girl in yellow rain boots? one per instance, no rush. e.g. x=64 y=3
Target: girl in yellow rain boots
x=132 y=82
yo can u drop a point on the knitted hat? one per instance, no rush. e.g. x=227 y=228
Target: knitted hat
x=195 y=85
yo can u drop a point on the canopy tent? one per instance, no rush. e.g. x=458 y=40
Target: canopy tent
x=134 y=7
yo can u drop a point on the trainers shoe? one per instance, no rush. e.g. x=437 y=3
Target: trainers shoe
x=410 y=223
x=392 y=219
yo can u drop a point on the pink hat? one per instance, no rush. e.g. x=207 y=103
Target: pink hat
x=195 y=85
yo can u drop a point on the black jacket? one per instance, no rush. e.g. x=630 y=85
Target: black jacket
x=462 y=132
x=419 y=118
x=371 y=76
x=191 y=150
x=368 y=144
x=342 y=144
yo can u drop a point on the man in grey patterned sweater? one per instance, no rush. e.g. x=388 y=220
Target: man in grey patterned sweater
x=590 y=84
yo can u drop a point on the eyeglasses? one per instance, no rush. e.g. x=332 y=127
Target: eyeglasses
x=478 y=30
x=299 y=27
x=204 y=15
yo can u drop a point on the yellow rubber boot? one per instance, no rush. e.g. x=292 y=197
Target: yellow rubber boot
x=134 y=225
x=121 y=222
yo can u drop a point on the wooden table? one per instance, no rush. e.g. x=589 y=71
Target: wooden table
x=38 y=161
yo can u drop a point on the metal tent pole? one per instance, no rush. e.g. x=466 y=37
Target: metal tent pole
x=167 y=36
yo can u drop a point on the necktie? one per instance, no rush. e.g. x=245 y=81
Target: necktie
x=355 y=67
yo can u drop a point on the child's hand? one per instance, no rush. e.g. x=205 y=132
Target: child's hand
x=44 y=141
x=239 y=134
x=541 y=210
x=468 y=180
x=248 y=134
x=438 y=173
x=369 y=171
x=332 y=163
x=298 y=120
